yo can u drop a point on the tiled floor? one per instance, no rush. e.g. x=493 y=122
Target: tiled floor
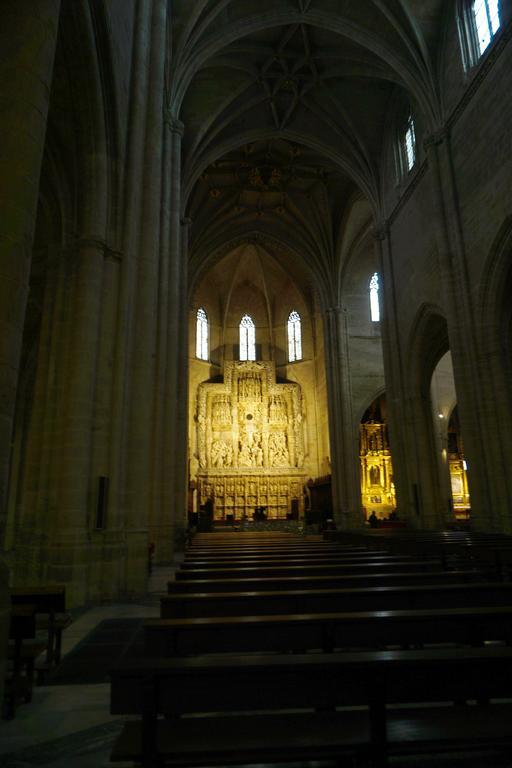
x=69 y=726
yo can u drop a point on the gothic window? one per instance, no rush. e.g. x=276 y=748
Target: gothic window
x=486 y=15
x=247 y=338
x=409 y=145
x=374 y=298
x=479 y=21
x=294 y=337
x=201 y=334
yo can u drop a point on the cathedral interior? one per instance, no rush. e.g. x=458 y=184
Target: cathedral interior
x=255 y=264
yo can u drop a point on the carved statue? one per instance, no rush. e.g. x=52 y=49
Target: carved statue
x=244 y=457
x=374 y=475
x=277 y=450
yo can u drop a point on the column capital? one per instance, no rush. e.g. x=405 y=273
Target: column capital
x=337 y=310
x=380 y=230
x=435 y=138
x=174 y=125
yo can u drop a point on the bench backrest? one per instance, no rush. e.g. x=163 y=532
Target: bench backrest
x=305 y=601
x=210 y=684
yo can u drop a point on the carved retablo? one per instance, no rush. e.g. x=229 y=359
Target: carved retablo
x=250 y=439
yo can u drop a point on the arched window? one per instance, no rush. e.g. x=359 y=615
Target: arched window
x=486 y=16
x=247 y=338
x=409 y=145
x=294 y=337
x=201 y=334
x=374 y=298
x=479 y=21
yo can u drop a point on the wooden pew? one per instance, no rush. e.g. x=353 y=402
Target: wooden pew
x=282 y=549
x=266 y=554
x=50 y=605
x=403 y=597
x=328 y=631
x=22 y=655
x=299 y=560
x=272 y=686
x=308 y=569
x=329 y=581
x=447 y=545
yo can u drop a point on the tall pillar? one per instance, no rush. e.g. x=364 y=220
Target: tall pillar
x=145 y=315
x=462 y=330
x=68 y=555
x=398 y=412
x=28 y=35
x=174 y=451
x=344 y=435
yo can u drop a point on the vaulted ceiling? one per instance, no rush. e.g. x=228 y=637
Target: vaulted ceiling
x=287 y=106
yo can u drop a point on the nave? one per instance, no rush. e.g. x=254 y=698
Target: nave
x=298 y=649
x=282 y=638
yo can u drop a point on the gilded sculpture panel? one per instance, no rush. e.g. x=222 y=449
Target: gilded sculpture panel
x=250 y=436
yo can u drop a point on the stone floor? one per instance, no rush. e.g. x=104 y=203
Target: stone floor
x=70 y=726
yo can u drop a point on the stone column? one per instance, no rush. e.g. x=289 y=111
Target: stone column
x=122 y=517
x=462 y=329
x=28 y=35
x=68 y=555
x=398 y=416
x=173 y=512
x=346 y=486
x=145 y=315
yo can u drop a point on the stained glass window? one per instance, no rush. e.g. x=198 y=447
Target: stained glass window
x=374 y=298
x=247 y=338
x=202 y=334
x=294 y=337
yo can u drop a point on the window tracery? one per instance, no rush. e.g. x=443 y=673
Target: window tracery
x=374 y=298
x=201 y=334
x=294 y=328
x=247 y=338
x=479 y=21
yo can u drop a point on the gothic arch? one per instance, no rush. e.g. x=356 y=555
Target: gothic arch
x=271 y=244
x=428 y=342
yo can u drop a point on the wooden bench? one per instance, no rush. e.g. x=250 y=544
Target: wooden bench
x=22 y=653
x=50 y=605
x=292 y=703
x=285 y=583
x=396 y=597
x=308 y=569
x=328 y=631
x=258 y=555
x=302 y=560
x=280 y=550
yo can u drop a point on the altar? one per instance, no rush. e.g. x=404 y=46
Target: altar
x=250 y=443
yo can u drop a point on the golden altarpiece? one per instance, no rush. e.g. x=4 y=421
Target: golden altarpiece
x=377 y=487
x=250 y=443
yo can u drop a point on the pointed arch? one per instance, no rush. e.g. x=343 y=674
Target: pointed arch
x=294 y=334
x=247 y=338
x=202 y=334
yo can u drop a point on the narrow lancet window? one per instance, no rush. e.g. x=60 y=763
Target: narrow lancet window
x=201 y=334
x=294 y=337
x=374 y=298
x=486 y=14
x=410 y=144
x=247 y=338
